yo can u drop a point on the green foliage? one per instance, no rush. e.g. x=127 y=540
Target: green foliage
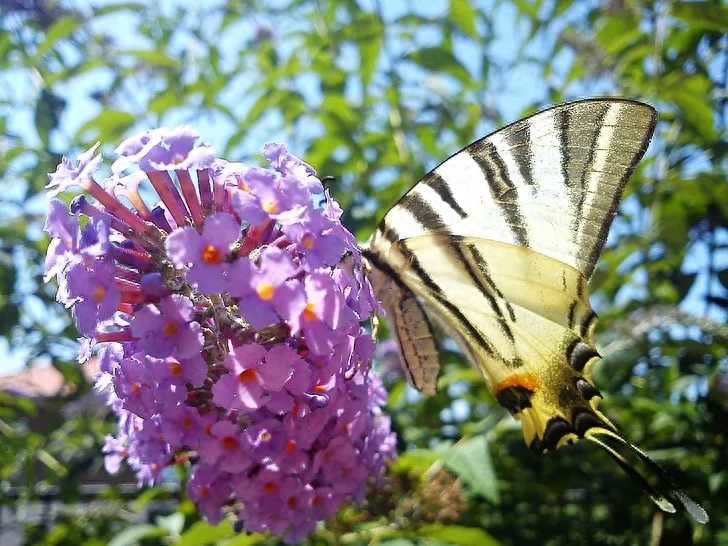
x=375 y=94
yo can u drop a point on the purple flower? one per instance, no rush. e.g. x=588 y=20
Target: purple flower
x=290 y=165
x=227 y=320
x=67 y=175
x=94 y=242
x=210 y=490
x=115 y=452
x=267 y=441
x=228 y=448
x=254 y=374
x=317 y=239
x=63 y=229
x=206 y=253
x=182 y=426
x=92 y=293
x=262 y=195
x=269 y=295
x=168 y=329
x=135 y=387
x=321 y=314
x=163 y=149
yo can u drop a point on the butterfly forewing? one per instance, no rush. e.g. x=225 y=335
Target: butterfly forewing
x=551 y=183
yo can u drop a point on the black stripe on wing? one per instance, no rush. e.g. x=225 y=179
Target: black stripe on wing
x=521 y=150
x=423 y=212
x=442 y=188
x=502 y=189
x=434 y=290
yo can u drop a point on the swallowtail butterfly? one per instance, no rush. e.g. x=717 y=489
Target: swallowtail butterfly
x=497 y=245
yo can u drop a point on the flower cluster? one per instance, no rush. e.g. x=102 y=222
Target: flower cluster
x=227 y=321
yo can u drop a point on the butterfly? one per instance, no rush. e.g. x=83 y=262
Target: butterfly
x=497 y=245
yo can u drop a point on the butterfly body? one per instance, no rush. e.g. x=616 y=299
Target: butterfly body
x=497 y=245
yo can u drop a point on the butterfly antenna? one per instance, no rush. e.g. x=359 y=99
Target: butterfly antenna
x=666 y=482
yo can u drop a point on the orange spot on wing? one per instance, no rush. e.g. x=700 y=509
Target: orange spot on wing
x=524 y=380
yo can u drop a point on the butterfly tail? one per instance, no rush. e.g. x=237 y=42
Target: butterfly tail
x=665 y=492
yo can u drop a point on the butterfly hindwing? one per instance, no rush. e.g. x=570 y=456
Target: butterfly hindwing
x=412 y=329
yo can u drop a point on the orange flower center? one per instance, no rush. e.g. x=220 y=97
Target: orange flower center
x=266 y=436
x=246 y=376
x=265 y=291
x=175 y=369
x=270 y=206
x=211 y=255
x=230 y=442
x=270 y=487
x=307 y=241
x=171 y=329
x=308 y=312
x=98 y=294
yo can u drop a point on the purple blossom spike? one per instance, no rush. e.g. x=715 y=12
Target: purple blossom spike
x=226 y=313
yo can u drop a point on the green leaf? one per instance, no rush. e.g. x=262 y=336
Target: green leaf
x=618 y=33
x=701 y=15
x=203 y=532
x=47 y=115
x=109 y=122
x=154 y=58
x=147 y=496
x=697 y=112
x=463 y=15
x=368 y=34
x=9 y=312
x=133 y=7
x=470 y=461
x=62 y=28
x=723 y=277
x=242 y=539
x=458 y=534
x=416 y=459
x=132 y=535
x=173 y=523
x=439 y=60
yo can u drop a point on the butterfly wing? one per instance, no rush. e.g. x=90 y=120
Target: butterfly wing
x=550 y=183
x=499 y=242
